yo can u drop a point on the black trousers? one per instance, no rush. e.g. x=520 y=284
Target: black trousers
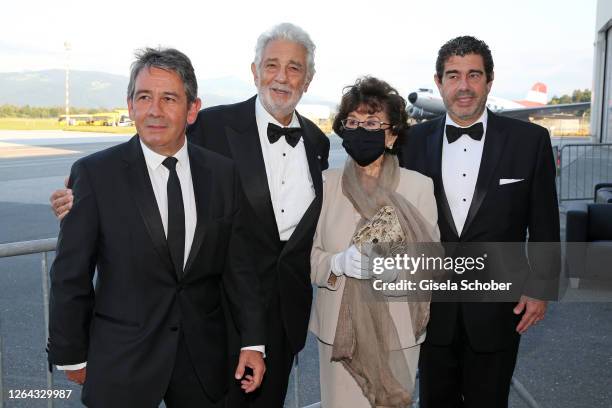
x=456 y=376
x=279 y=361
x=185 y=390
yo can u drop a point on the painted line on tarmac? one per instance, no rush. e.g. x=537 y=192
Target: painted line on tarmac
x=15 y=150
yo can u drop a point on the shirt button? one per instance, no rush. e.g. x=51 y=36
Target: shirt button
x=282 y=210
x=283 y=182
x=465 y=150
x=463 y=174
x=284 y=154
x=464 y=200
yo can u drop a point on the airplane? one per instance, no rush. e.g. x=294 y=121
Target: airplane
x=427 y=105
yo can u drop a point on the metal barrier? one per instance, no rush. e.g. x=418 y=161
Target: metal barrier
x=523 y=393
x=1 y=371
x=581 y=167
x=44 y=246
x=296 y=381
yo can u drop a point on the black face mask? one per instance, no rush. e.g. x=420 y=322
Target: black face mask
x=362 y=145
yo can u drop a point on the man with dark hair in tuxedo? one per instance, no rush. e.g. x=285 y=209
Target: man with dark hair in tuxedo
x=166 y=225
x=494 y=181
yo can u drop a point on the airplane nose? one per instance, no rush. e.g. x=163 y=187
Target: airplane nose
x=412 y=97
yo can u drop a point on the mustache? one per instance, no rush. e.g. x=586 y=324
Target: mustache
x=280 y=88
x=463 y=94
x=152 y=122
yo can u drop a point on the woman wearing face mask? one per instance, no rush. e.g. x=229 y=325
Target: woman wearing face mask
x=369 y=341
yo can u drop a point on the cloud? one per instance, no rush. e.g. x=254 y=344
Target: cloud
x=548 y=40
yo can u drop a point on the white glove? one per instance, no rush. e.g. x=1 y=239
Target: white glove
x=351 y=263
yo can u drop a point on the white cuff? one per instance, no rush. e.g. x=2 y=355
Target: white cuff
x=334 y=265
x=71 y=367
x=261 y=349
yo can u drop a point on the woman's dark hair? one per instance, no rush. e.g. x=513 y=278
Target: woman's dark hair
x=376 y=95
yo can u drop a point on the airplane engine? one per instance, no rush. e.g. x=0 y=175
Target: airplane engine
x=419 y=113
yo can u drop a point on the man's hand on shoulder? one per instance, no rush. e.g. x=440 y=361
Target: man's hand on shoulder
x=61 y=201
x=254 y=360
x=77 y=376
x=534 y=312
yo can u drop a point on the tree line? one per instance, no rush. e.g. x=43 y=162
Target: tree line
x=577 y=96
x=27 y=111
x=33 y=112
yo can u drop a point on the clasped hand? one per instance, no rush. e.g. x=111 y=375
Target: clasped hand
x=351 y=263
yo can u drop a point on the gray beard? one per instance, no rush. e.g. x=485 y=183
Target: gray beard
x=276 y=113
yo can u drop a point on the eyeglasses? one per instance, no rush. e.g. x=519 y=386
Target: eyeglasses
x=370 y=124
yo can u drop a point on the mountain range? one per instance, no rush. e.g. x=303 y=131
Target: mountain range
x=93 y=89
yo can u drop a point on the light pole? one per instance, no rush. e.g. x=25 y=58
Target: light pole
x=67 y=48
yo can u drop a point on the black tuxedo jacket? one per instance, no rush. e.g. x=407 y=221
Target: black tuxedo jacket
x=284 y=270
x=513 y=149
x=128 y=328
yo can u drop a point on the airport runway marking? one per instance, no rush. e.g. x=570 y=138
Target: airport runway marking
x=15 y=150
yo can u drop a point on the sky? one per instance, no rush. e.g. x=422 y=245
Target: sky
x=548 y=41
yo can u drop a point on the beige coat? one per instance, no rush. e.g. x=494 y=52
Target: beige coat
x=335 y=229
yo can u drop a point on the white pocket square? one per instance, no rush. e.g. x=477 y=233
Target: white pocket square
x=509 y=181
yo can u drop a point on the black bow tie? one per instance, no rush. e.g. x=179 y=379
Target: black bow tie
x=292 y=134
x=475 y=132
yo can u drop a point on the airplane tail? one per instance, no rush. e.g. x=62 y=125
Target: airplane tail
x=537 y=95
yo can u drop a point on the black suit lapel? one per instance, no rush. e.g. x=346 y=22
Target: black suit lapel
x=144 y=197
x=434 y=153
x=201 y=179
x=310 y=145
x=247 y=154
x=494 y=143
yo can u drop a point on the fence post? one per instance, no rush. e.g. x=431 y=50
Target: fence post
x=296 y=380
x=45 y=290
x=560 y=158
x=1 y=376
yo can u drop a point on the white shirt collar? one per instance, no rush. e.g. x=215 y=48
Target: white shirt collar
x=154 y=160
x=264 y=117
x=483 y=118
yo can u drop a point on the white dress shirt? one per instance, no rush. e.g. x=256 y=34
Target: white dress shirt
x=460 y=167
x=159 y=174
x=288 y=174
